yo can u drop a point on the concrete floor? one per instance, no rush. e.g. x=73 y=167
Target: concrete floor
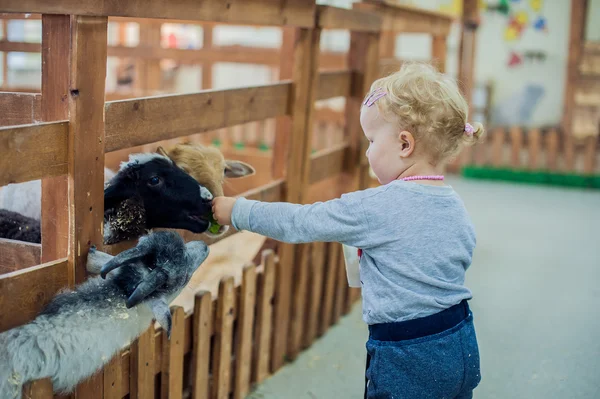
x=536 y=284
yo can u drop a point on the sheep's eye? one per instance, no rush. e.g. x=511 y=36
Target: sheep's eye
x=154 y=181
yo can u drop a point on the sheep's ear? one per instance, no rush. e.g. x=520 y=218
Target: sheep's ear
x=234 y=169
x=162 y=151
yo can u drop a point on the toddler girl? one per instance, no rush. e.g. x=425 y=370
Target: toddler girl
x=414 y=233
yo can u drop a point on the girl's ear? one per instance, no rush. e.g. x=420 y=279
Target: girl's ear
x=407 y=143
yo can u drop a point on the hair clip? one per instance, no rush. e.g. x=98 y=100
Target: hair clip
x=469 y=130
x=374 y=96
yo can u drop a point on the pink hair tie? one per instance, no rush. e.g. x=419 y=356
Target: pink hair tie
x=469 y=130
x=374 y=96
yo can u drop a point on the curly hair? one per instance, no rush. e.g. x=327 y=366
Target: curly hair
x=428 y=104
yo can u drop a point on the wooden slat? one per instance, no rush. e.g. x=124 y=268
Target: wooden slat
x=264 y=318
x=363 y=58
x=86 y=139
x=223 y=340
x=334 y=84
x=21 y=47
x=568 y=153
x=328 y=162
x=551 y=143
x=305 y=77
x=113 y=378
x=263 y=12
x=171 y=382
x=30 y=152
x=19 y=108
x=340 y=18
x=141 y=366
x=245 y=327
x=534 y=138
x=498 y=147
x=40 y=389
x=26 y=292
x=407 y=19
x=56 y=44
x=315 y=305
x=329 y=288
x=92 y=387
x=201 y=340
x=17 y=255
x=439 y=51
x=589 y=155
x=130 y=123
x=299 y=302
x=340 y=286
x=516 y=144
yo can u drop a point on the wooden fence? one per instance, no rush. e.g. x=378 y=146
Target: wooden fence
x=63 y=134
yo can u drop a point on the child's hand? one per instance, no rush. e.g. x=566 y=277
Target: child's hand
x=222 y=209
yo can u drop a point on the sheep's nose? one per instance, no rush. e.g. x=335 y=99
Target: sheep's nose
x=205 y=194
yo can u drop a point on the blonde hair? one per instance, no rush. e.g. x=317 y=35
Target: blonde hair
x=428 y=104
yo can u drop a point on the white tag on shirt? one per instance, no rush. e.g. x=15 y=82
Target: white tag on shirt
x=352 y=265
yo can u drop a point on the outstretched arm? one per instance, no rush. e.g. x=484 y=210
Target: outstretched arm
x=340 y=220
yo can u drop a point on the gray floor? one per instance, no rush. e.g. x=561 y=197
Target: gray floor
x=535 y=279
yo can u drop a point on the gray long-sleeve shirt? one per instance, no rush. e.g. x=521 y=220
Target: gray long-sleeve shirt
x=417 y=242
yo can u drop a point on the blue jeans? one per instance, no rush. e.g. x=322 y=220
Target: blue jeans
x=444 y=364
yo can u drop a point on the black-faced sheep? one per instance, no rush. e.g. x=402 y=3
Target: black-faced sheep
x=80 y=330
x=15 y=226
x=150 y=191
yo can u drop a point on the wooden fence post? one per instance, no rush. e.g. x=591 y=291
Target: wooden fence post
x=86 y=153
x=305 y=76
x=363 y=59
x=56 y=44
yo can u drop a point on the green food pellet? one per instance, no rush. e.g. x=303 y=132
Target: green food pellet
x=214 y=226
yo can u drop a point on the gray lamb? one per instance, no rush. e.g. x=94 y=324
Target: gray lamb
x=80 y=330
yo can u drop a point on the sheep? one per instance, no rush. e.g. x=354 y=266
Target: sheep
x=149 y=191
x=15 y=226
x=80 y=330
x=208 y=166
x=26 y=198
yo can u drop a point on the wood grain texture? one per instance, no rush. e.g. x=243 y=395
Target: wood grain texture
x=341 y=286
x=171 y=382
x=534 y=148
x=245 y=328
x=263 y=12
x=334 y=84
x=329 y=288
x=264 y=318
x=40 y=389
x=30 y=152
x=202 y=330
x=130 y=123
x=299 y=302
x=551 y=142
x=341 y=18
x=86 y=139
x=26 y=292
x=328 y=162
x=315 y=305
x=439 y=51
x=142 y=366
x=16 y=255
x=223 y=340
x=113 y=378
x=92 y=387
x=407 y=19
x=19 y=108
x=56 y=43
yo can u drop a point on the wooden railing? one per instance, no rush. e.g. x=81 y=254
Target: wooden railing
x=61 y=136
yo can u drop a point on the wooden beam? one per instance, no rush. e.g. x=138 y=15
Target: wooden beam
x=26 y=292
x=334 y=84
x=30 y=152
x=341 y=18
x=130 y=123
x=305 y=78
x=576 y=40
x=263 y=12
x=439 y=52
x=407 y=19
x=328 y=162
x=19 y=108
x=86 y=140
x=17 y=255
x=56 y=44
